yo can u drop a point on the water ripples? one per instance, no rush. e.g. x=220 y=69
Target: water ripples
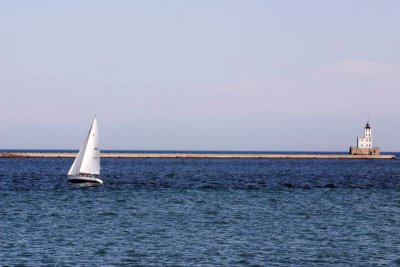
x=183 y=212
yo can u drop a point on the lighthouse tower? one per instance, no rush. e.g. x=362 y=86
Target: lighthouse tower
x=366 y=140
x=364 y=144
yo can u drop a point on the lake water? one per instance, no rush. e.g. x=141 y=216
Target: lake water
x=202 y=212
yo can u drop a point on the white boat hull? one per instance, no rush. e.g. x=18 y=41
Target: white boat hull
x=84 y=179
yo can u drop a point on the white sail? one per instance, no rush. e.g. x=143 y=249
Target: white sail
x=88 y=159
x=78 y=160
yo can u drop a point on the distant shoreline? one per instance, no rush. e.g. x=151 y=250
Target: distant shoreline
x=194 y=155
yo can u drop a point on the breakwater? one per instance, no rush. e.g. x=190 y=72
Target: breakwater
x=195 y=155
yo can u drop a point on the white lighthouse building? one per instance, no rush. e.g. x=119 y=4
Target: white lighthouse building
x=366 y=140
x=364 y=144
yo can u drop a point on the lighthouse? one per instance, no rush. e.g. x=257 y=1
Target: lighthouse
x=366 y=140
x=364 y=144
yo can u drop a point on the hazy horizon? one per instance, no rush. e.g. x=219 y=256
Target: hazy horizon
x=227 y=75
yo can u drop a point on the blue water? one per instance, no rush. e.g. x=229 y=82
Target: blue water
x=202 y=212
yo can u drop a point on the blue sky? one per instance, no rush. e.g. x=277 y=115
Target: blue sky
x=199 y=75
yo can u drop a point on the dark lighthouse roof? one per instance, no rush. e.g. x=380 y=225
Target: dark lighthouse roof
x=367 y=126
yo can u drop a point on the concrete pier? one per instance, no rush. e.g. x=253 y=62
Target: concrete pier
x=196 y=155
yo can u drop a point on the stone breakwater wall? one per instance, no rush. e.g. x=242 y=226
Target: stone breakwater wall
x=199 y=155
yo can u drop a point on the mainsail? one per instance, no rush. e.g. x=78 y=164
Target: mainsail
x=88 y=159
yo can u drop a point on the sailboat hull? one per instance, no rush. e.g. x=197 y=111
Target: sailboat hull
x=83 y=179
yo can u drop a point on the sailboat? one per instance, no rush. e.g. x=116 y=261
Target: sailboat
x=86 y=167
